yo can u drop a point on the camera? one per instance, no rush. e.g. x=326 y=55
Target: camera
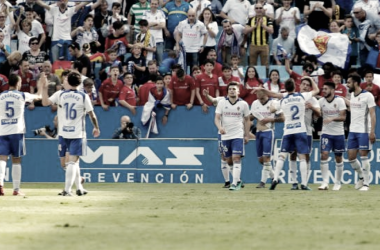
x=40 y=130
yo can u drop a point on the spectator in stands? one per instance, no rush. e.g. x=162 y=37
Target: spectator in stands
x=273 y=83
x=307 y=69
x=199 y=6
x=35 y=56
x=168 y=63
x=373 y=58
x=175 y=11
x=28 y=84
x=23 y=33
x=338 y=13
x=145 y=88
x=156 y=19
x=11 y=64
x=318 y=14
x=287 y=43
x=334 y=27
x=251 y=80
x=76 y=52
x=137 y=11
x=146 y=41
x=353 y=34
x=211 y=55
x=3 y=48
x=61 y=38
x=117 y=40
x=195 y=71
x=136 y=64
x=208 y=19
x=340 y=89
x=88 y=87
x=127 y=130
x=260 y=28
x=87 y=34
x=236 y=11
x=152 y=70
x=36 y=30
x=231 y=41
x=370 y=86
x=209 y=81
x=81 y=15
x=40 y=12
x=110 y=89
x=7 y=29
x=328 y=68
x=216 y=7
x=3 y=83
x=112 y=61
x=318 y=71
x=193 y=35
x=225 y=79
x=288 y=16
x=167 y=78
x=368 y=5
x=127 y=96
x=182 y=90
x=159 y=97
x=236 y=70
x=368 y=25
x=53 y=79
x=115 y=17
x=100 y=21
x=268 y=9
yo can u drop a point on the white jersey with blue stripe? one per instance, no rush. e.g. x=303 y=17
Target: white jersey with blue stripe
x=12 y=107
x=293 y=107
x=73 y=105
x=360 y=117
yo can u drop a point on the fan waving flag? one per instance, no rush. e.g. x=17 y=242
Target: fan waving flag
x=328 y=47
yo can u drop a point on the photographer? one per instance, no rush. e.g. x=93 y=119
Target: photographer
x=47 y=131
x=127 y=130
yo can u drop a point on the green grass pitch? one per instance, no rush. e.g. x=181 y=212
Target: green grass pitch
x=189 y=216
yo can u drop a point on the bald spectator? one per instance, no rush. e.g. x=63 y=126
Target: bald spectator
x=368 y=25
x=175 y=11
x=193 y=34
x=368 y=6
x=127 y=129
x=236 y=11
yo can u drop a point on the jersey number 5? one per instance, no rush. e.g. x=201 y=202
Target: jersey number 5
x=10 y=111
x=71 y=113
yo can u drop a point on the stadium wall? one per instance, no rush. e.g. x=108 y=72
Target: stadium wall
x=161 y=161
x=182 y=123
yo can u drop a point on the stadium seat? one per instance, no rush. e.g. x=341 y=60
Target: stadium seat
x=281 y=69
x=297 y=69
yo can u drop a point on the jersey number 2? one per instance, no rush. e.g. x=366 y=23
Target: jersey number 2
x=295 y=111
x=10 y=111
x=71 y=113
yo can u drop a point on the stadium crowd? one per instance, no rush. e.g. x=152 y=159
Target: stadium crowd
x=121 y=47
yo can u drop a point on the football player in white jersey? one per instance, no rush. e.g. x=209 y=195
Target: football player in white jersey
x=260 y=110
x=12 y=130
x=74 y=107
x=332 y=137
x=293 y=105
x=232 y=121
x=312 y=110
x=362 y=130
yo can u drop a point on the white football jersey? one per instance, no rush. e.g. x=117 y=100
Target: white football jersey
x=330 y=110
x=261 y=111
x=293 y=107
x=12 y=107
x=309 y=115
x=73 y=105
x=360 y=117
x=232 y=117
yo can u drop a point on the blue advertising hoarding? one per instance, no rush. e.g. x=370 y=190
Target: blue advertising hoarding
x=162 y=161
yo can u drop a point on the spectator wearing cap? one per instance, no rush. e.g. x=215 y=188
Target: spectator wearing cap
x=77 y=54
x=35 y=56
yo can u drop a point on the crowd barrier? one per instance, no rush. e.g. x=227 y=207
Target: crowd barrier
x=182 y=123
x=162 y=161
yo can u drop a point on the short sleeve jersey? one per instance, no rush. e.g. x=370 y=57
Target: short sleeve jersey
x=330 y=110
x=360 y=117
